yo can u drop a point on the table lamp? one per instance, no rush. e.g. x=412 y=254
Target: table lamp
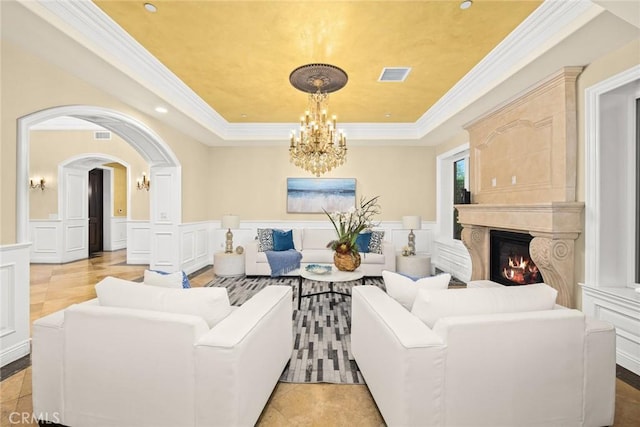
x=229 y=222
x=412 y=222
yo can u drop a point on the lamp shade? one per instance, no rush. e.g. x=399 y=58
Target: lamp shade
x=412 y=222
x=230 y=221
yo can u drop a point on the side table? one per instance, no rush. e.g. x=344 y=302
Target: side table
x=418 y=265
x=228 y=264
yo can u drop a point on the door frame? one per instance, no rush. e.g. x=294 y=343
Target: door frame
x=165 y=196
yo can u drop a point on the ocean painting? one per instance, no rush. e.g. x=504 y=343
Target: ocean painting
x=312 y=195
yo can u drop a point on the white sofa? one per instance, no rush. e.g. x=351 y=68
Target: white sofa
x=312 y=243
x=551 y=367
x=96 y=365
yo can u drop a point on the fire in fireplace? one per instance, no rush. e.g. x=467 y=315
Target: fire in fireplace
x=510 y=261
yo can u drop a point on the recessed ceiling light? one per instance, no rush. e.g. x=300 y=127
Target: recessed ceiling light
x=150 y=8
x=387 y=115
x=161 y=110
x=466 y=4
x=244 y=116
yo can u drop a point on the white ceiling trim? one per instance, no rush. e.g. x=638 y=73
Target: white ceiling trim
x=92 y=28
x=545 y=27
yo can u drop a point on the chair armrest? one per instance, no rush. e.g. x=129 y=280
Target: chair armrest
x=401 y=359
x=250 y=257
x=47 y=347
x=600 y=373
x=389 y=252
x=243 y=356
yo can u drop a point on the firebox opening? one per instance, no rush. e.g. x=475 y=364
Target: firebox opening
x=510 y=261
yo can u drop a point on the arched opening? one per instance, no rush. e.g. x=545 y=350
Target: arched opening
x=165 y=172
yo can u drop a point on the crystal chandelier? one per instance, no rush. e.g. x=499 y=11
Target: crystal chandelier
x=319 y=146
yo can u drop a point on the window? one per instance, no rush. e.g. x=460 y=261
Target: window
x=460 y=184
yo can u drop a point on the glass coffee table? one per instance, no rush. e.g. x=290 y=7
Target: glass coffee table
x=335 y=276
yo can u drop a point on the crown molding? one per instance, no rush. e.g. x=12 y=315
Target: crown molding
x=88 y=25
x=551 y=22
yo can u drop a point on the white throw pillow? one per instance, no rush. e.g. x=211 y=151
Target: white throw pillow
x=404 y=290
x=430 y=306
x=172 y=280
x=211 y=304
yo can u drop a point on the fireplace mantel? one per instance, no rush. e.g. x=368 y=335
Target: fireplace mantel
x=553 y=218
x=554 y=225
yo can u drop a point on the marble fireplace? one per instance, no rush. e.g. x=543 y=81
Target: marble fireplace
x=523 y=178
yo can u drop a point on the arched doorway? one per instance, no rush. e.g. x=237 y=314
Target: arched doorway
x=165 y=173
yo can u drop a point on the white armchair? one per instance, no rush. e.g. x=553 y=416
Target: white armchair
x=96 y=365
x=547 y=367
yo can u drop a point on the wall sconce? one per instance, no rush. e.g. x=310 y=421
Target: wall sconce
x=143 y=183
x=229 y=222
x=39 y=184
x=412 y=223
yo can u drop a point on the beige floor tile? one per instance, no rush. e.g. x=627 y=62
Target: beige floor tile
x=7 y=408
x=10 y=387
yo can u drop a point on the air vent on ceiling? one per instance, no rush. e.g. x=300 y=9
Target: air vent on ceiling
x=102 y=135
x=394 y=74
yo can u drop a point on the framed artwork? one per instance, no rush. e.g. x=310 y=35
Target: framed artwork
x=312 y=195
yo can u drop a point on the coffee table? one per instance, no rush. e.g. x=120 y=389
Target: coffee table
x=335 y=276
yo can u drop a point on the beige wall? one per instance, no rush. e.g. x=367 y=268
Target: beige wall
x=251 y=181
x=48 y=149
x=30 y=84
x=609 y=65
x=455 y=141
x=120 y=189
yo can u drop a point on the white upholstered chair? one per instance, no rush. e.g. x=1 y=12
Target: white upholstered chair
x=96 y=364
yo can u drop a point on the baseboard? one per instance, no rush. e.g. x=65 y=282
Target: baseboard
x=15 y=352
x=627 y=361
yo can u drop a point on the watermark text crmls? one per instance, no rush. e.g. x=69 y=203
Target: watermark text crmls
x=17 y=418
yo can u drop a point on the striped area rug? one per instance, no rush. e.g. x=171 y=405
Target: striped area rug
x=321 y=328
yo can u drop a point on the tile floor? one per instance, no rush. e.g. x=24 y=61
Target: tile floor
x=56 y=286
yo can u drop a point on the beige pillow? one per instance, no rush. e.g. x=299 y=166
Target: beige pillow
x=211 y=304
x=404 y=289
x=430 y=305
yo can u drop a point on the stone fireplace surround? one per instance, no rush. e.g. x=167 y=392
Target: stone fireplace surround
x=554 y=226
x=523 y=165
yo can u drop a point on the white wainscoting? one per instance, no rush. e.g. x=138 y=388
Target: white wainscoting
x=621 y=307
x=46 y=241
x=139 y=242
x=194 y=244
x=452 y=257
x=115 y=236
x=14 y=302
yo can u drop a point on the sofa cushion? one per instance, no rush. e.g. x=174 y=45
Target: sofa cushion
x=362 y=241
x=369 y=258
x=431 y=305
x=211 y=304
x=375 y=244
x=317 y=256
x=404 y=290
x=265 y=239
x=178 y=279
x=282 y=240
x=317 y=238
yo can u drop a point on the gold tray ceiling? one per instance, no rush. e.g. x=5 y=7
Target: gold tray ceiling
x=237 y=55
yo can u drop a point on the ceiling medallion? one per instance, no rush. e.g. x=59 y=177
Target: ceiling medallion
x=318 y=147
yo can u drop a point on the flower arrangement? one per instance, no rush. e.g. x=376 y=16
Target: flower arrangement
x=349 y=224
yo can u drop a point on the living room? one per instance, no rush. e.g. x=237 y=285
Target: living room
x=195 y=183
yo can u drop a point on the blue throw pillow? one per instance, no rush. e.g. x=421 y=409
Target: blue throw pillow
x=185 y=280
x=362 y=241
x=282 y=240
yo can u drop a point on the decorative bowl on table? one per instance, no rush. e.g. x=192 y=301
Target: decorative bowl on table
x=318 y=269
